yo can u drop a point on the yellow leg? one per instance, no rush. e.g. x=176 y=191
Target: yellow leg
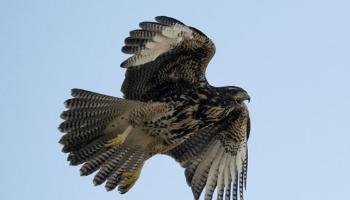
x=119 y=139
x=130 y=178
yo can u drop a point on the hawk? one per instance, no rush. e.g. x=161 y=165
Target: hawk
x=168 y=108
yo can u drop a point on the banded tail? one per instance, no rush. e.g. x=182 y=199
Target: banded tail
x=102 y=132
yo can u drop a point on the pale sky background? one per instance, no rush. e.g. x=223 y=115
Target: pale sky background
x=293 y=57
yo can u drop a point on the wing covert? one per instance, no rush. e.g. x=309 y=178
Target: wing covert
x=164 y=51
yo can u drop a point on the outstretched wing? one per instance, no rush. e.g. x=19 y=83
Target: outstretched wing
x=217 y=157
x=164 y=52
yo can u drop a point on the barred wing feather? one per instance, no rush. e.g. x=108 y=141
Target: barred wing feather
x=216 y=158
x=164 y=51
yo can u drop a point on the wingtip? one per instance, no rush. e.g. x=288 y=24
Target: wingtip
x=64 y=115
x=108 y=189
x=196 y=193
x=160 y=18
x=168 y=20
x=74 y=91
x=122 y=189
x=83 y=172
x=124 y=64
x=62 y=141
x=66 y=103
x=60 y=128
x=144 y=23
x=96 y=182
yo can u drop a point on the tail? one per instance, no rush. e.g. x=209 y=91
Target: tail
x=96 y=129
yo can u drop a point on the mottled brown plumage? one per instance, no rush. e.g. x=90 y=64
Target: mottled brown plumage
x=168 y=108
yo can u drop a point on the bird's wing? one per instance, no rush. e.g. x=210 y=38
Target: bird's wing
x=164 y=51
x=217 y=157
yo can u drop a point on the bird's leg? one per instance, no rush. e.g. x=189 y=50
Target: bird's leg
x=129 y=178
x=119 y=139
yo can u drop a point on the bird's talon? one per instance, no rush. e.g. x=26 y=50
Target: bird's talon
x=130 y=178
x=117 y=141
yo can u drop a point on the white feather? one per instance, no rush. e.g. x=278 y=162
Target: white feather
x=241 y=155
x=227 y=174
x=221 y=176
x=209 y=158
x=233 y=167
x=150 y=45
x=177 y=31
x=213 y=174
x=228 y=178
x=221 y=170
x=169 y=38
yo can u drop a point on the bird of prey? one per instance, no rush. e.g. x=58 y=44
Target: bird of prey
x=168 y=108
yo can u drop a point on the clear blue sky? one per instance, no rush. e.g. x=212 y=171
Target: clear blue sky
x=293 y=57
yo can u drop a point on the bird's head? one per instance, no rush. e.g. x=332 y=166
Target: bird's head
x=236 y=94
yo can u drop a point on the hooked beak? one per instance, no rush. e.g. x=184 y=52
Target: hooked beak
x=247 y=98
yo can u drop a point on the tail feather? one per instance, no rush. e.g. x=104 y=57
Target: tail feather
x=110 y=165
x=133 y=162
x=73 y=125
x=87 y=116
x=77 y=103
x=94 y=164
x=84 y=113
x=118 y=169
x=128 y=181
x=99 y=132
x=84 y=94
x=75 y=138
x=121 y=170
x=87 y=152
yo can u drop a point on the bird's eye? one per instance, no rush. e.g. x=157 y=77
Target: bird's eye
x=238 y=100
